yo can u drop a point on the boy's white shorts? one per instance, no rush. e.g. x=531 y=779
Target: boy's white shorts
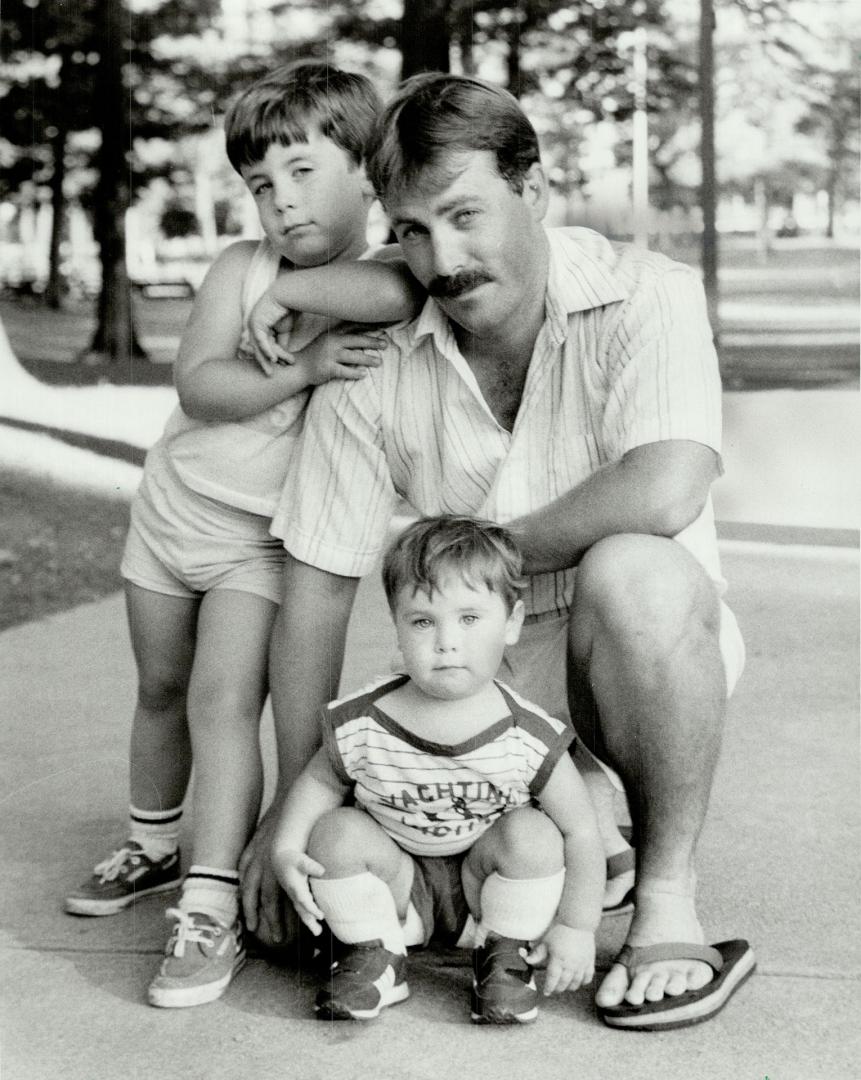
x=184 y=544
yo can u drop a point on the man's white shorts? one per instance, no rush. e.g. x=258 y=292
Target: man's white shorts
x=536 y=666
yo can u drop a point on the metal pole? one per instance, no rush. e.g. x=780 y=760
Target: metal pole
x=708 y=192
x=640 y=164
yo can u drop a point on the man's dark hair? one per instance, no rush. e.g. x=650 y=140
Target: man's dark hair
x=482 y=552
x=285 y=105
x=434 y=115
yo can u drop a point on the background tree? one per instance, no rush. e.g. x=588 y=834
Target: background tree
x=96 y=64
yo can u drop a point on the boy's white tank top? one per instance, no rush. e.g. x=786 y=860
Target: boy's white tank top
x=243 y=463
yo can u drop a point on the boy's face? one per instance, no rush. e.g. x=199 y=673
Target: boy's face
x=452 y=642
x=312 y=200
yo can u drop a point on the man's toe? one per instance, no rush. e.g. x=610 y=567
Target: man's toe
x=657 y=986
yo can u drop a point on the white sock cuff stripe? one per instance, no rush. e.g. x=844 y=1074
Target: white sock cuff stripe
x=155 y=817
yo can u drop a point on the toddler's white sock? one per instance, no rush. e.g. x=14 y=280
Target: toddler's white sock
x=360 y=908
x=519 y=908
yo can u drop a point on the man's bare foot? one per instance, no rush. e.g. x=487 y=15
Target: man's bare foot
x=664 y=912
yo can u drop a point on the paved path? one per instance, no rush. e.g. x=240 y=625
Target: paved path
x=778 y=865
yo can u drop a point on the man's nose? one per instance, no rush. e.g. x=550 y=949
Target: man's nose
x=447 y=256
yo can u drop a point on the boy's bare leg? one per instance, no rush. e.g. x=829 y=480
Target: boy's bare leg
x=163 y=630
x=645 y=630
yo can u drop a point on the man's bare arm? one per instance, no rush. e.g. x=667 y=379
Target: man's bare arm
x=658 y=488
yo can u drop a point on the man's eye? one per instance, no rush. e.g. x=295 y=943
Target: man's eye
x=469 y=619
x=421 y=624
x=260 y=188
x=463 y=217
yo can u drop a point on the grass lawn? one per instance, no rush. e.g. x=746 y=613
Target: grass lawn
x=58 y=547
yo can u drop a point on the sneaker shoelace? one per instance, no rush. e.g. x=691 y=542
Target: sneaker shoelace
x=187 y=930
x=109 y=869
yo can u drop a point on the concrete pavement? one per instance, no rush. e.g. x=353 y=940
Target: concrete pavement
x=778 y=865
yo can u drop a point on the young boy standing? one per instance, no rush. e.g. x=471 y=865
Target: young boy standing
x=202 y=571
x=449 y=772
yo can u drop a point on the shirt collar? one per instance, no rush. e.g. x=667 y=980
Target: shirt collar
x=581 y=277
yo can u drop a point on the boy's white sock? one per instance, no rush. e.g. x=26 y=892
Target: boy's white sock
x=360 y=908
x=213 y=892
x=157 y=831
x=519 y=908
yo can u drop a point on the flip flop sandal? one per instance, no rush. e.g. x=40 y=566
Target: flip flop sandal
x=616 y=866
x=732 y=961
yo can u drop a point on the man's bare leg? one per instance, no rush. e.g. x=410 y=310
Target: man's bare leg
x=646 y=629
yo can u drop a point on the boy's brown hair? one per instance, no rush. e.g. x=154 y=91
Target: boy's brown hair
x=482 y=552
x=287 y=104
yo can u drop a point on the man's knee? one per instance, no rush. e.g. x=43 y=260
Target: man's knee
x=646 y=586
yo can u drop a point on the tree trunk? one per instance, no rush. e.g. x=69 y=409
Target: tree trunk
x=115 y=338
x=55 y=287
x=708 y=192
x=424 y=37
x=513 y=57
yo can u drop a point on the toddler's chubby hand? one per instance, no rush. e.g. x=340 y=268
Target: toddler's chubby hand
x=293 y=869
x=268 y=324
x=569 y=955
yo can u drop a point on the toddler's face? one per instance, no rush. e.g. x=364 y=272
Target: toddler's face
x=312 y=200
x=452 y=642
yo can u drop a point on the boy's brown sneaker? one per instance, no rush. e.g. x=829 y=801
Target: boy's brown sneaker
x=124 y=877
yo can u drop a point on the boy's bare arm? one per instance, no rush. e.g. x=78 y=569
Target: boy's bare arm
x=365 y=291
x=212 y=381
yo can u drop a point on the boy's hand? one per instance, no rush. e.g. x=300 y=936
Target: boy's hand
x=343 y=353
x=268 y=320
x=293 y=869
x=570 y=957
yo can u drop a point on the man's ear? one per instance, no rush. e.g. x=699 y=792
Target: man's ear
x=535 y=191
x=515 y=623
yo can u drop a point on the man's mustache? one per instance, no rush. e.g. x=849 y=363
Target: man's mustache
x=447 y=288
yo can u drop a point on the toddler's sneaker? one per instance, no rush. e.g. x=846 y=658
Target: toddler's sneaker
x=127 y=876
x=200 y=960
x=503 y=984
x=363 y=979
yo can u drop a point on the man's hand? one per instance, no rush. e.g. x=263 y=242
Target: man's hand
x=343 y=353
x=268 y=322
x=570 y=957
x=293 y=869
x=263 y=902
